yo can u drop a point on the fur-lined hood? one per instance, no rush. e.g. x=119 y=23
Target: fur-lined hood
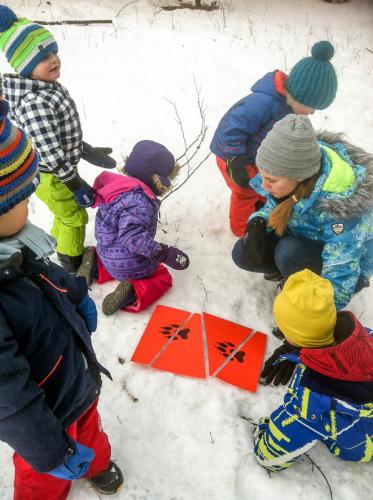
x=360 y=200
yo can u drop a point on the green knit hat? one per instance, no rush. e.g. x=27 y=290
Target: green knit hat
x=313 y=81
x=24 y=43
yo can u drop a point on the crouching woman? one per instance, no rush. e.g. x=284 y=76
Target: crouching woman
x=319 y=210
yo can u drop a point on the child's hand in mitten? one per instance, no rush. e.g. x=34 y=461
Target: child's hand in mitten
x=173 y=257
x=98 y=156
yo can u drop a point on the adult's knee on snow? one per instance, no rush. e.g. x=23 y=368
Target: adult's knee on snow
x=239 y=257
x=295 y=254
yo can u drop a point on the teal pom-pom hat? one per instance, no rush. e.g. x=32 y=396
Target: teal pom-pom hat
x=24 y=43
x=313 y=81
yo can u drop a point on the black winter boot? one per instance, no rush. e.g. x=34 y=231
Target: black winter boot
x=88 y=268
x=108 y=482
x=70 y=264
x=273 y=276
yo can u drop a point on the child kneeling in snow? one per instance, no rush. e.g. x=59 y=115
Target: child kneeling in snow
x=126 y=223
x=329 y=398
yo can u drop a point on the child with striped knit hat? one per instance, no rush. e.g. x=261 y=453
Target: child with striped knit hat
x=50 y=378
x=45 y=110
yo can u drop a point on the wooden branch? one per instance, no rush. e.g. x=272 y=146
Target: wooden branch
x=82 y=22
x=198 y=6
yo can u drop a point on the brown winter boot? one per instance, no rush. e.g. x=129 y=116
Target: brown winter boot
x=117 y=299
x=88 y=267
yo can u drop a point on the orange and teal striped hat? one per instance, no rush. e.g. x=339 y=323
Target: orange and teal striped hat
x=24 y=43
x=19 y=175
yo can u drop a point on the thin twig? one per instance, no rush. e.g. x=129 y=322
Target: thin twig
x=204 y=288
x=178 y=120
x=190 y=175
x=83 y=22
x=250 y=420
x=124 y=6
x=211 y=438
x=321 y=472
x=129 y=393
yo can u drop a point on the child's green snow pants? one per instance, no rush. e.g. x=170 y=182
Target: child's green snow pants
x=69 y=219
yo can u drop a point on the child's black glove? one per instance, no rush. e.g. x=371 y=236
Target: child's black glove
x=253 y=241
x=236 y=169
x=98 y=156
x=277 y=370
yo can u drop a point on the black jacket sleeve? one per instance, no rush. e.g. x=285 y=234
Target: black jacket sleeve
x=26 y=423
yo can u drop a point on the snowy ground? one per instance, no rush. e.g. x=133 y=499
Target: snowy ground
x=183 y=439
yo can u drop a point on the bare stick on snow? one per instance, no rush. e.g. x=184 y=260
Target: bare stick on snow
x=193 y=148
x=321 y=472
x=82 y=22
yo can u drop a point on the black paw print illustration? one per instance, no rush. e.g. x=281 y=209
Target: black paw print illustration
x=226 y=348
x=169 y=330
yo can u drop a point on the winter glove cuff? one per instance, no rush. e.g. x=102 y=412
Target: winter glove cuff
x=236 y=169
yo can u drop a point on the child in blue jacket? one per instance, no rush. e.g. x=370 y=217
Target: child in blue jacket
x=312 y=84
x=49 y=374
x=330 y=397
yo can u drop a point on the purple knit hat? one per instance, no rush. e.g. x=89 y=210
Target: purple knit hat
x=151 y=163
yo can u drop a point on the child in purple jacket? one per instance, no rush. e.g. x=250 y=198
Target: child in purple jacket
x=126 y=224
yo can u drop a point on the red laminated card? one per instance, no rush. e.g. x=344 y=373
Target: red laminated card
x=162 y=326
x=173 y=341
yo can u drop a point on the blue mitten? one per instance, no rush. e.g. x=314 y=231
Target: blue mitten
x=84 y=195
x=87 y=309
x=76 y=465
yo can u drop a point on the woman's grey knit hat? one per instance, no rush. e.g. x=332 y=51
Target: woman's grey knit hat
x=290 y=149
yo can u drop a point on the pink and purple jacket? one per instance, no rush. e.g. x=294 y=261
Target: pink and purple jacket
x=126 y=223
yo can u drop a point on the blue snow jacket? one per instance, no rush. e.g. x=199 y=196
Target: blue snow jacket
x=49 y=374
x=339 y=213
x=245 y=125
x=329 y=399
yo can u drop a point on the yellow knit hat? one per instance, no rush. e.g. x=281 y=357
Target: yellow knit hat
x=305 y=311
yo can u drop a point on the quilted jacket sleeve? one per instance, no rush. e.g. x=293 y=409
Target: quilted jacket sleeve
x=243 y=119
x=135 y=228
x=38 y=118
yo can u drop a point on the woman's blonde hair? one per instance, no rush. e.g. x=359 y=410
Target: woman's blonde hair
x=279 y=217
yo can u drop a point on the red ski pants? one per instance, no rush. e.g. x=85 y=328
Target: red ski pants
x=243 y=200
x=147 y=290
x=87 y=430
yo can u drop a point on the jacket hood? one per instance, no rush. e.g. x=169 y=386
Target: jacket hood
x=108 y=186
x=357 y=197
x=351 y=359
x=16 y=87
x=271 y=84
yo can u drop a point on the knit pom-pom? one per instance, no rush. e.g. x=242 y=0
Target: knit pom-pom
x=7 y=18
x=323 y=51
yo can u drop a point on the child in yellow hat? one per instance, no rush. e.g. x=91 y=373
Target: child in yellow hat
x=329 y=398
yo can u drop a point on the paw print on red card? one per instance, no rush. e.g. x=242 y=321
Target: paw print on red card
x=174 y=331
x=227 y=348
